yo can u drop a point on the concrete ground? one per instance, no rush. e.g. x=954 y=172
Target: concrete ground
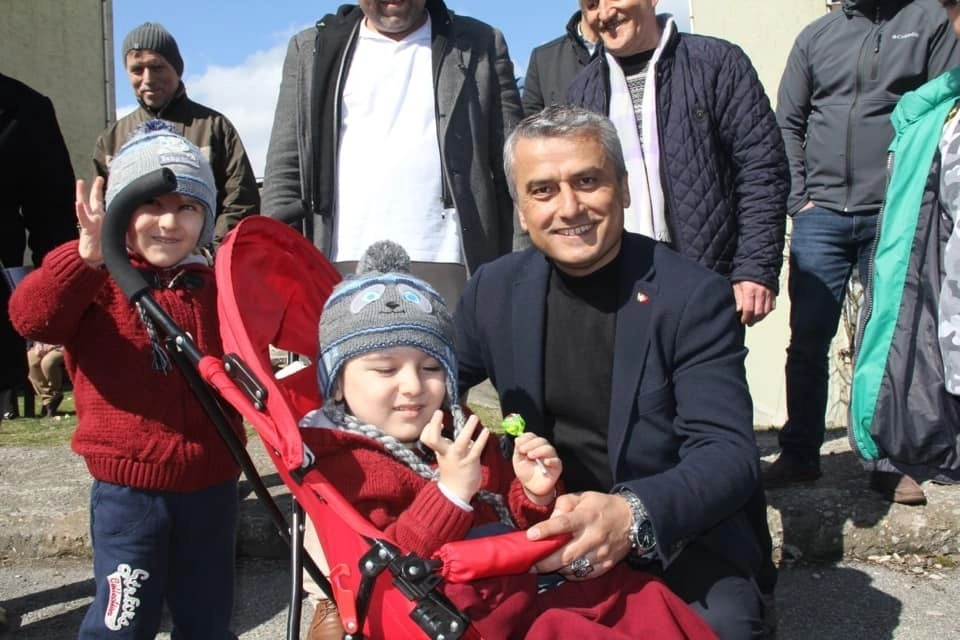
x=854 y=566
x=881 y=600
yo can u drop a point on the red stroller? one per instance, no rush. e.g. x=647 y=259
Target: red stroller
x=272 y=285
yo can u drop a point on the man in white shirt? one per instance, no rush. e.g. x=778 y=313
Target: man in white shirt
x=390 y=124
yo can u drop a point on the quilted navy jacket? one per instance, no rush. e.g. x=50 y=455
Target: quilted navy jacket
x=723 y=167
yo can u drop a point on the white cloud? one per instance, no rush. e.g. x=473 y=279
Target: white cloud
x=246 y=94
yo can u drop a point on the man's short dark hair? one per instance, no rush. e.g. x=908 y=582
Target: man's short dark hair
x=564 y=121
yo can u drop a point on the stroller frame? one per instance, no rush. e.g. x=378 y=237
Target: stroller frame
x=361 y=559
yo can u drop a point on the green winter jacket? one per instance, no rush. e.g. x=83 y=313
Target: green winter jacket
x=899 y=407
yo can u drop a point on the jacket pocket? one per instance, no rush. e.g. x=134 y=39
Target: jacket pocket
x=118 y=510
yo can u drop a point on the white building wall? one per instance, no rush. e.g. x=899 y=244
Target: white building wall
x=766 y=31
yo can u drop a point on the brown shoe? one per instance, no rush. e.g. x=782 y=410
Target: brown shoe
x=325 y=624
x=897 y=487
x=783 y=472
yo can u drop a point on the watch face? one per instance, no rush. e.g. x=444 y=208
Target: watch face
x=644 y=539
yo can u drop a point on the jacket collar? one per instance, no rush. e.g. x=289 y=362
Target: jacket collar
x=669 y=36
x=572 y=29
x=573 y=34
x=440 y=16
x=933 y=95
x=529 y=294
x=873 y=9
x=638 y=292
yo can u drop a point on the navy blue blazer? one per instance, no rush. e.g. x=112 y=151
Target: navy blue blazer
x=681 y=417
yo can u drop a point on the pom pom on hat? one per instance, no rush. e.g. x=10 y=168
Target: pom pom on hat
x=385 y=256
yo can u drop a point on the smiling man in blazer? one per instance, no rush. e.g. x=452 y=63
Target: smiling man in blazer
x=627 y=356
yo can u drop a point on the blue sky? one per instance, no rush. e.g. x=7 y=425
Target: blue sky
x=233 y=49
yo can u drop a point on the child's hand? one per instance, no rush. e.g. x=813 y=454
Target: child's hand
x=538 y=483
x=90 y=221
x=457 y=460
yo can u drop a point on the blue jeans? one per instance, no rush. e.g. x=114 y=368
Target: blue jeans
x=154 y=546
x=825 y=245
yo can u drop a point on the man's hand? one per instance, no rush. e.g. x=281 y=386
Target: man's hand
x=600 y=526
x=754 y=301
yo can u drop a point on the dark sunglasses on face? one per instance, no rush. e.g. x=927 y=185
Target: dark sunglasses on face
x=946 y=4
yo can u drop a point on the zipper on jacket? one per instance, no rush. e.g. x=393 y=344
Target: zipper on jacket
x=852 y=118
x=867 y=308
x=875 y=70
x=664 y=179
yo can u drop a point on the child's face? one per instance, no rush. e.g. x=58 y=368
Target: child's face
x=167 y=229
x=396 y=390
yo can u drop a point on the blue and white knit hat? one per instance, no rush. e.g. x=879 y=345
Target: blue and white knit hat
x=381 y=307
x=154 y=145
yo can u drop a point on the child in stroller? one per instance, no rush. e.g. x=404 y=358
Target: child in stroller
x=386 y=367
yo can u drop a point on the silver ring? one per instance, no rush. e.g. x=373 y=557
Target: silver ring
x=581 y=567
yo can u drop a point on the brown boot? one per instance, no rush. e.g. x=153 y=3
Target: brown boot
x=326 y=623
x=897 y=487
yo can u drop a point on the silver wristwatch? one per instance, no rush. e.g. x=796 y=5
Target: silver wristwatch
x=642 y=537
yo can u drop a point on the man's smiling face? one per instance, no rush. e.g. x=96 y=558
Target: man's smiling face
x=570 y=200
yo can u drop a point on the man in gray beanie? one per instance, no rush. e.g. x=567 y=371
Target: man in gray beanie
x=155 y=68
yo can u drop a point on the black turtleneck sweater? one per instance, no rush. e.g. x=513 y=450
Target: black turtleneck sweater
x=578 y=369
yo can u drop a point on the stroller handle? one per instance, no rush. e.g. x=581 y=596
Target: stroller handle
x=115 y=224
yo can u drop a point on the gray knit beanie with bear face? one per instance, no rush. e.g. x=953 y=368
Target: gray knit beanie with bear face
x=155 y=145
x=381 y=307
x=152 y=35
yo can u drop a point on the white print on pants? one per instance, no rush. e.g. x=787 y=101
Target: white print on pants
x=122 y=603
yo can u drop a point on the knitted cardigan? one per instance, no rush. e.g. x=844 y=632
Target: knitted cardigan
x=137 y=426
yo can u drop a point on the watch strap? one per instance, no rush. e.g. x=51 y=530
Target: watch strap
x=642 y=538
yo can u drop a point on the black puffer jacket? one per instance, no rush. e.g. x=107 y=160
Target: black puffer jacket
x=723 y=168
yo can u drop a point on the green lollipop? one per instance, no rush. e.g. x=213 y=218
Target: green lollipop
x=514 y=425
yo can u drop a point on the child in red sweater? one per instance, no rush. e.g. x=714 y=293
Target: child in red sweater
x=164 y=502
x=387 y=367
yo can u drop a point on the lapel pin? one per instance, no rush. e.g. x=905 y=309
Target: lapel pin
x=643 y=298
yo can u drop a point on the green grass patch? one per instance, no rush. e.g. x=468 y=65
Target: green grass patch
x=40 y=431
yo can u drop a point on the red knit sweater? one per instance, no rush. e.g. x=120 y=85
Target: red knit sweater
x=137 y=426
x=409 y=508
